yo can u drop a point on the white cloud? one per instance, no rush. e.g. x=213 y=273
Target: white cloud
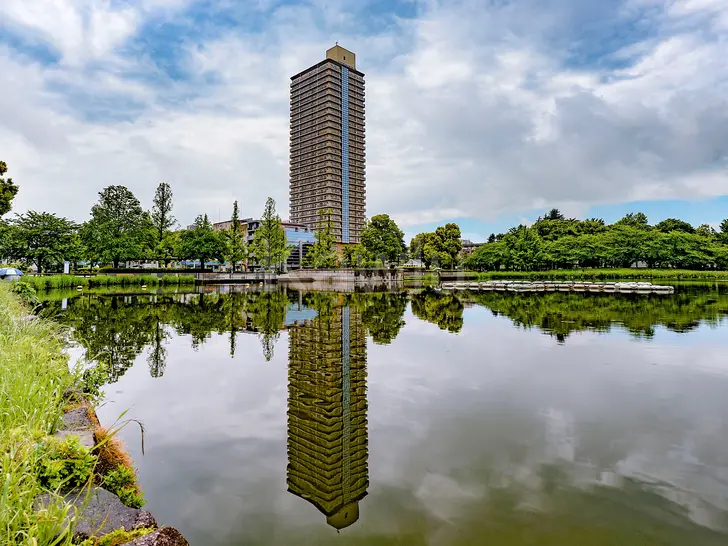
x=472 y=110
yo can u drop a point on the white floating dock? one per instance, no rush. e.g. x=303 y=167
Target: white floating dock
x=552 y=286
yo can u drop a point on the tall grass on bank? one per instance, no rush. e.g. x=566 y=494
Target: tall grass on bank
x=56 y=282
x=33 y=377
x=605 y=274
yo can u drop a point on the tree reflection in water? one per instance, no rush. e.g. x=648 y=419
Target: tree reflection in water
x=115 y=328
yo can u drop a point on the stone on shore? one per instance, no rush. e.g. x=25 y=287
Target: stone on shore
x=77 y=419
x=100 y=512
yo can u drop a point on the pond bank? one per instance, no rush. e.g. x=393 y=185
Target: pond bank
x=52 y=446
x=53 y=282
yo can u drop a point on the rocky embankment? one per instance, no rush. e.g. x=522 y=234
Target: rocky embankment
x=560 y=286
x=96 y=512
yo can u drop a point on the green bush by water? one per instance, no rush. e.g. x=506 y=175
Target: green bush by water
x=25 y=292
x=63 y=463
x=122 y=482
x=56 y=282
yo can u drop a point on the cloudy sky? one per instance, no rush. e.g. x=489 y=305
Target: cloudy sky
x=485 y=112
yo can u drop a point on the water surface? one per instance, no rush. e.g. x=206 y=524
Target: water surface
x=422 y=417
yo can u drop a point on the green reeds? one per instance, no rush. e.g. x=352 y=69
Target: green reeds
x=57 y=282
x=34 y=374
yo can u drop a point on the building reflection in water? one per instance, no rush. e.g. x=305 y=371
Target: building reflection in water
x=327 y=413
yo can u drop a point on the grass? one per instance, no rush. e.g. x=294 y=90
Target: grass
x=55 y=282
x=605 y=274
x=429 y=276
x=34 y=378
x=35 y=374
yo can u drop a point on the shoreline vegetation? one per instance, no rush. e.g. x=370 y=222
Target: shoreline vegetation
x=35 y=375
x=43 y=454
x=54 y=282
x=603 y=274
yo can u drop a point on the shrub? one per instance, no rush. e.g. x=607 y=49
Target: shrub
x=63 y=463
x=25 y=292
x=122 y=482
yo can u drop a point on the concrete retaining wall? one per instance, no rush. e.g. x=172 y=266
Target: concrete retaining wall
x=330 y=276
x=227 y=278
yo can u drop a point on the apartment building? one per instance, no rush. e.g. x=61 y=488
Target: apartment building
x=327 y=156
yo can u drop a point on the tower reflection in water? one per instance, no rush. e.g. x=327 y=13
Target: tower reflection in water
x=327 y=412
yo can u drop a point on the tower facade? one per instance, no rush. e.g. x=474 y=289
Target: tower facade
x=327 y=413
x=327 y=163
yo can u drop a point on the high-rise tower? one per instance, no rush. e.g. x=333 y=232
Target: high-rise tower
x=327 y=412
x=327 y=145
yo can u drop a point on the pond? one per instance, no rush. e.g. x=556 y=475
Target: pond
x=420 y=417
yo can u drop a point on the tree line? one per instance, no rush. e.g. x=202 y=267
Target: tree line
x=120 y=230
x=556 y=242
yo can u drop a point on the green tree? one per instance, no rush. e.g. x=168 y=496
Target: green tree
x=119 y=229
x=161 y=216
x=202 y=242
x=591 y=226
x=270 y=247
x=524 y=249
x=449 y=242
x=169 y=248
x=8 y=190
x=357 y=256
x=382 y=238
x=551 y=230
x=237 y=244
x=487 y=257
x=7 y=238
x=636 y=220
x=42 y=238
x=554 y=214
x=432 y=253
x=673 y=224
x=704 y=230
x=323 y=251
x=417 y=246
x=724 y=226
x=624 y=245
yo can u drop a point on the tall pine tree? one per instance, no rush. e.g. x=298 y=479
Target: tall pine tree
x=237 y=247
x=269 y=243
x=162 y=220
